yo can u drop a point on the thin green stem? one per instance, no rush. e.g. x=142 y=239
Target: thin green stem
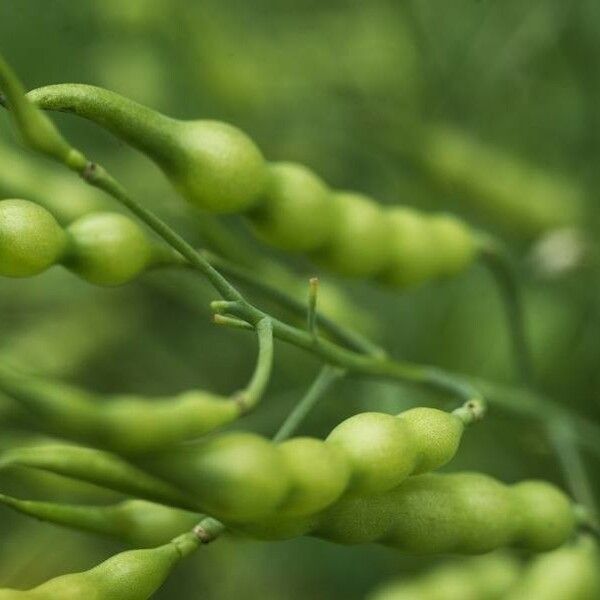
x=561 y=435
x=254 y=391
x=323 y=382
x=499 y=263
x=311 y=312
x=348 y=337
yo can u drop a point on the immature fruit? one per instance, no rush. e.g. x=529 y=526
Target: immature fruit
x=319 y=474
x=215 y=166
x=412 y=257
x=358 y=244
x=31 y=240
x=235 y=476
x=455 y=244
x=108 y=249
x=296 y=212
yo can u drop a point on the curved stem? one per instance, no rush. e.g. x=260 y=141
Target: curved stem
x=500 y=266
x=323 y=382
x=253 y=392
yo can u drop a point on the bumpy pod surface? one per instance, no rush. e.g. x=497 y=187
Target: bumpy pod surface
x=103 y=248
x=465 y=513
x=218 y=168
x=215 y=166
x=569 y=573
x=482 y=578
x=31 y=240
x=244 y=478
x=132 y=575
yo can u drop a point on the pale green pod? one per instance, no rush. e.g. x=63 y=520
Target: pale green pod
x=486 y=577
x=31 y=240
x=569 y=573
x=380 y=449
x=135 y=425
x=465 y=513
x=213 y=165
x=547 y=515
x=235 y=477
x=455 y=244
x=412 y=256
x=108 y=249
x=319 y=474
x=137 y=522
x=296 y=211
x=132 y=575
x=358 y=244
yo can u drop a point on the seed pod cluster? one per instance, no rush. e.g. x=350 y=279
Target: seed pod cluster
x=103 y=248
x=219 y=169
x=242 y=477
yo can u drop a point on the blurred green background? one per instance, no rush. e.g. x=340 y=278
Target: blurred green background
x=337 y=85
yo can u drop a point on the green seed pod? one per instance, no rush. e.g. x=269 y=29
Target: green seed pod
x=236 y=477
x=358 y=244
x=31 y=240
x=412 y=256
x=543 y=509
x=97 y=467
x=454 y=242
x=296 y=212
x=319 y=474
x=134 y=425
x=108 y=249
x=383 y=450
x=379 y=447
x=136 y=522
x=213 y=165
x=482 y=578
x=569 y=573
x=132 y=575
x=465 y=513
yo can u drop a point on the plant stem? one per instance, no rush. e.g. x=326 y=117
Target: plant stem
x=348 y=337
x=323 y=382
x=561 y=435
x=499 y=263
x=311 y=312
x=250 y=397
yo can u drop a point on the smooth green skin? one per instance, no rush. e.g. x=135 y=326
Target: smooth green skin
x=384 y=449
x=455 y=243
x=139 y=523
x=296 y=212
x=132 y=575
x=213 y=165
x=464 y=513
x=569 y=573
x=98 y=467
x=542 y=507
x=134 y=425
x=413 y=256
x=31 y=240
x=108 y=249
x=319 y=474
x=236 y=477
x=358 y=244
x=125 y=424
x=481 y=578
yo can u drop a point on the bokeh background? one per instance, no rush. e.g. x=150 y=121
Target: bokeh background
x=508 y=92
